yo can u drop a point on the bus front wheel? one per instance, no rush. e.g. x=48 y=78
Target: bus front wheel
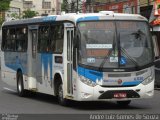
x=61 y=99
x=124 y=103
x=20 y=86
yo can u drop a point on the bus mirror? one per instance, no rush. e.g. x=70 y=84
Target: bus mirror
x=156 y=47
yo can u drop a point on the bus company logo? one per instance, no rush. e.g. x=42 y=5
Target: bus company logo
x=119 y=81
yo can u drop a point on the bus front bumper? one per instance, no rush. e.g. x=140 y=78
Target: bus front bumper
x=98 y=93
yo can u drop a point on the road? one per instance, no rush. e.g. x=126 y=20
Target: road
x=10 y=102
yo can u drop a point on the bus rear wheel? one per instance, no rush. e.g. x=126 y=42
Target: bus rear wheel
x=124 y=103
x=20 y=86
x=61 y=99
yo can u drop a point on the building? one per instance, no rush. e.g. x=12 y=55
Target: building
x=16 y=8
x=146 y=7
x=43 y=7
x=119 y=6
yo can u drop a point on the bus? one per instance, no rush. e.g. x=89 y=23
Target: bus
x=103 y=56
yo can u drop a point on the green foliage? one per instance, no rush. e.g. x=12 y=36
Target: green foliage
x=64 y=6
x=158 y=6
x=29 y=14
x=15 y=15
x=4 y=5
x=1 y=21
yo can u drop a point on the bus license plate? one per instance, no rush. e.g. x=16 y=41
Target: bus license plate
x=120 y=95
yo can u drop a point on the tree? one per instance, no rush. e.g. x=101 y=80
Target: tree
x=15 y=16
x=64 y=6
x=29 y=13
x=1 y=20
x=4 y=6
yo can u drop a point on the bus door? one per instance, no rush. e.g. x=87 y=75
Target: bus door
x=32 y=56
x=70 y=35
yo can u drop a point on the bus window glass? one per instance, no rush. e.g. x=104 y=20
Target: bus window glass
x=4 y=34
x=97 y=42
x=43 y=39
x=21 y=39
x=68 y=45
x=10 y=36
x=135 y=42
x=57 y=34
x=14 y=39
x=102 y=45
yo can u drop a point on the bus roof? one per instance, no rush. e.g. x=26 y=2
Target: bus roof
x=73 y=17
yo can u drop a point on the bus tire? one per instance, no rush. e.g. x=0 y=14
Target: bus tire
x=158 y=86
x=124 y=103
x=20 y=85
x=62 y=101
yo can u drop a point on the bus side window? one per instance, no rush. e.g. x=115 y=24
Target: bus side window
x=57 y=33
x=21 y=39
x=43 y=39
x=59 y=40
x=14 y=39
x=10 y=40
x=4 y=38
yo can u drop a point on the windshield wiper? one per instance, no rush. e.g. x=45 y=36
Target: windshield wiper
x=108 y=54
x=128 y=56
x=137 y=34
x=126 y=53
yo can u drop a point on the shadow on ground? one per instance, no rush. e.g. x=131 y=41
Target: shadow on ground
x=90 y=105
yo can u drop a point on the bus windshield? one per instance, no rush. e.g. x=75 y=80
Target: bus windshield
x=115 y=44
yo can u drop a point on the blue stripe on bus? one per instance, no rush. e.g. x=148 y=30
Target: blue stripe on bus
x=95 y=75
x=90 y=74
x=88 y=18
x=131 y=83
x=47 y=64
x=49 y=18
x=16 y=63
x=15 y=67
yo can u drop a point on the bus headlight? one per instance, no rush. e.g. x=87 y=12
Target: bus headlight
x=87 y=81
x=148 y=80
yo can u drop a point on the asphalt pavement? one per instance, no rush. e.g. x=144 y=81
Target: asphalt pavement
x=10 y=102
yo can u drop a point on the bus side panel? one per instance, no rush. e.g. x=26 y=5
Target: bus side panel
x=11 y=62
x=46 y=70
x=76 y=90
x=45 y=73
x=7 y=74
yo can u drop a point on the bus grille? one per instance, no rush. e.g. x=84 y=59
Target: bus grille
x=127 y=74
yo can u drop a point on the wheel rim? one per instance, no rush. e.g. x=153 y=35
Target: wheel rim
x=19 y=85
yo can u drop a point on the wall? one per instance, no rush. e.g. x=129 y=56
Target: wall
x=37 y=6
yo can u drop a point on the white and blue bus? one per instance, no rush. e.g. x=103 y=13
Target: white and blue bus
x=102 y=56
